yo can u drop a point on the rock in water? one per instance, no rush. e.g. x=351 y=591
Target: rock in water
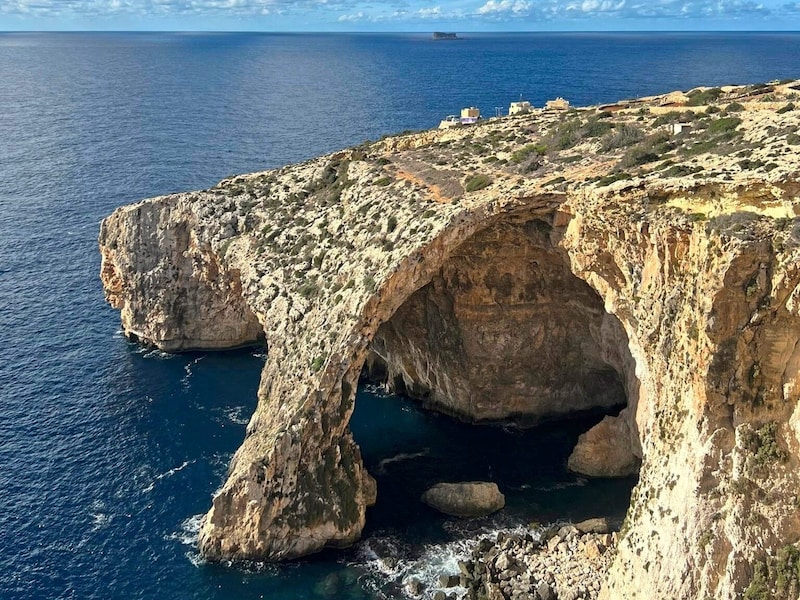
x=605 y=451
x=466 y=499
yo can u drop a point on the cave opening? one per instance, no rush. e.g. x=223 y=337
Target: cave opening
x=491 y=372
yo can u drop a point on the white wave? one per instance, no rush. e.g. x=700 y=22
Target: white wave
x=389 y=561
x=399 y=458
x=146 y=352
x=188 y=369
x=174 y=470
x=238 y=415
x=100 y=520
x=188 y=531
x=378 y=389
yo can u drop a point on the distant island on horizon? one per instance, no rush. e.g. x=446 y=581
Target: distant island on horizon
x=440 y=35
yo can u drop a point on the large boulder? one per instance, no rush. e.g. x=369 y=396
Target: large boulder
x=605 y=451
x=465 y=499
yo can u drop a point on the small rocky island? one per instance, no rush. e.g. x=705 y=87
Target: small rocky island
x=524 y=268
x=441 y=35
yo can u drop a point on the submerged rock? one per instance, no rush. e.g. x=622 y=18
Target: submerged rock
x=466 y=499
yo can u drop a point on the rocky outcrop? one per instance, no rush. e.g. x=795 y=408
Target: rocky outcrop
x=605 y=450
x=527 y=268
x=173 y=292
x=465 y=499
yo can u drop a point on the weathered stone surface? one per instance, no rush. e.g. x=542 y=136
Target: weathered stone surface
x=679 y=286
x=605 y=450
x=596 y=525
x=465 y=499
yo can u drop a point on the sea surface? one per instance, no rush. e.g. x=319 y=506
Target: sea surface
x=110 y=453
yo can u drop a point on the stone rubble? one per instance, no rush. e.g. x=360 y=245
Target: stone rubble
x=565 y=563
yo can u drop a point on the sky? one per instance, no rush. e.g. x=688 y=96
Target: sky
x=399 y=15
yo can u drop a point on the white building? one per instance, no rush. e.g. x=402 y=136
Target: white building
x=557 y=104
x=679 y=128
x=519 y=108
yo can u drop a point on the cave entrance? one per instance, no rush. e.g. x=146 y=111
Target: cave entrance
x=504 y=333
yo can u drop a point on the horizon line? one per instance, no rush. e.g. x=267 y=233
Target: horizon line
x=378 y=31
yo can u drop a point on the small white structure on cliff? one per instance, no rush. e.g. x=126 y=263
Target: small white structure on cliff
x=679 y=128
x=519 y=108
x=558 y=104
x=449 y=121
x=469 y=116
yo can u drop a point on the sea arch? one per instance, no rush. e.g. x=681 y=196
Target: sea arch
x=497 y=292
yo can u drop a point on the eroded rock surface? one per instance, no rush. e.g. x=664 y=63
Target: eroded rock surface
x=605 y=450
x=465 y=499
x=594 y=254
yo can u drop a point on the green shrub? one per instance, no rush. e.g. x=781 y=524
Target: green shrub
x=724 y=125
x=391 y=223
x=776 y=578
x=596 y=128
x=786 y=108
x=477 y=182
x=622 y=137
x=734 y=107
x=308 y=289
x=383 y=181
x=763 y=444
x=672 y=116
x=529 y=149
x=566 y=135
x=317 y=363
x=701 y=97
x=609 y=179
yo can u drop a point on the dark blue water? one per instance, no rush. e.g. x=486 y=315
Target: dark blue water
x=109 y=453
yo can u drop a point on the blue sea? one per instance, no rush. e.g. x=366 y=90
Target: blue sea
x=110 y=453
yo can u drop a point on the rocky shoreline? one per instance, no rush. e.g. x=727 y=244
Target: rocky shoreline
x=560 y=563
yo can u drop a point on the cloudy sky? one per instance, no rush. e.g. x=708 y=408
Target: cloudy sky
x=399 y=15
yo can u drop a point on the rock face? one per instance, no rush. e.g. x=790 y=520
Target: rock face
x=491 y=337
x=185 y=297
x=578 y=271
x=605 y=451
x=466 y=499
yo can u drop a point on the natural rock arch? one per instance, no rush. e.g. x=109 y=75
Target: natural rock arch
x=298 y=484
x=710 y=307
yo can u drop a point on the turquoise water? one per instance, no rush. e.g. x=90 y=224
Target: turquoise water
x=109 y=453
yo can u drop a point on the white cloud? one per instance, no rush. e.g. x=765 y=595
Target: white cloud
x=353 y=18
x=507 y=7
x=409 y=11
x=428 y=13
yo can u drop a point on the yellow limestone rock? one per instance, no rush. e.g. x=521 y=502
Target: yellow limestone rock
x=664 y=274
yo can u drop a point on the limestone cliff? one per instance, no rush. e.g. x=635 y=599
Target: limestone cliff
x=524 y=268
